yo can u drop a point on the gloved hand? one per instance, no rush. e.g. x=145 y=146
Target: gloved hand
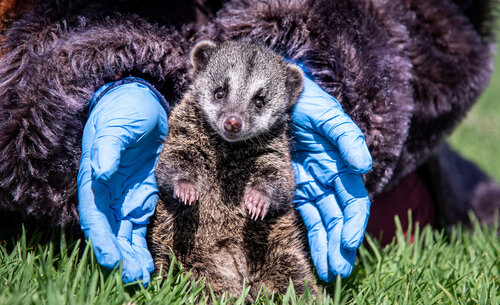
x=117 y=190
x=329 y=154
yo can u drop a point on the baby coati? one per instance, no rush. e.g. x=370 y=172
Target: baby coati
x=224 y=175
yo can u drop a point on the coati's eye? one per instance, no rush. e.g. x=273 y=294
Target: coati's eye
x=219 y=94
x=259 y=102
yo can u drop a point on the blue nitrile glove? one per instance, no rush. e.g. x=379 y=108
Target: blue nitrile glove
x=117 y=190
x=329 y=155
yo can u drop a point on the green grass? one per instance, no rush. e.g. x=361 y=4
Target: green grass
x=455 y=268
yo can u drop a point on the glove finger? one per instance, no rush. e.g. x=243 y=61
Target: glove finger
x=146 y=276
x=336 y=126
x=105 y=156
x=106 y=248
x=141 y=247
x=115 y=119
x=138 y=209
x=330 y=211
x=342 y=132
x=122 y=118
x=355 y=202
x=132 y=269
x=340 y=260
x=97 y=229
x=317 y=237
x=97 y=220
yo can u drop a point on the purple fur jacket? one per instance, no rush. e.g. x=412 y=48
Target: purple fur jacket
x=406 y=71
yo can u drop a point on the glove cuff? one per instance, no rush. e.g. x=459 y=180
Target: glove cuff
x=128 y=80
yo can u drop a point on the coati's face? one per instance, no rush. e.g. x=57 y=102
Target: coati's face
x=243 y=89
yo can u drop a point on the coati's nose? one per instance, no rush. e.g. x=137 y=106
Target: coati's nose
x=233 y=124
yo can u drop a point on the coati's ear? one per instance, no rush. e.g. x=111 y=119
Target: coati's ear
x=294 y=82
x=201 y=53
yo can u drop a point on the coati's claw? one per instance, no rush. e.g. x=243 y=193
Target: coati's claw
x=186 y=192
x=257 y=204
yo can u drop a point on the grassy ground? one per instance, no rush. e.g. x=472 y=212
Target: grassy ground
x=457 y=268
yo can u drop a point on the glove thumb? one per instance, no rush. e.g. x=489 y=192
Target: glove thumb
x=105 y=157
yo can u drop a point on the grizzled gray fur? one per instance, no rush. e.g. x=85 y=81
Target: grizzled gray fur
x=225 y=180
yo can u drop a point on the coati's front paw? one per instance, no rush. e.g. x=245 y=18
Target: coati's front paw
x=186 y=192
x=257 y=203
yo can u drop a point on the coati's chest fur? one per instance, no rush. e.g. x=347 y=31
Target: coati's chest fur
x=224 y=175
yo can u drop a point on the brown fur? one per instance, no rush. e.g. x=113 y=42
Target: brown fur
x=215 y=238
x=10 y=10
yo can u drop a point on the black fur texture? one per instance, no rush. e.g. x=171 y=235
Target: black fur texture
x=48 y=76
x=406 y=71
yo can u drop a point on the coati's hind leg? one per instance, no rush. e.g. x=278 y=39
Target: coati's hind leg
x=224 y=270
x=286 y=259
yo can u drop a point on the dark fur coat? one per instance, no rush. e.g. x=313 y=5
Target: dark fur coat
x=406 y=71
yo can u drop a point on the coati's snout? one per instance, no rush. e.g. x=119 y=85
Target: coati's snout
x=232 y=126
